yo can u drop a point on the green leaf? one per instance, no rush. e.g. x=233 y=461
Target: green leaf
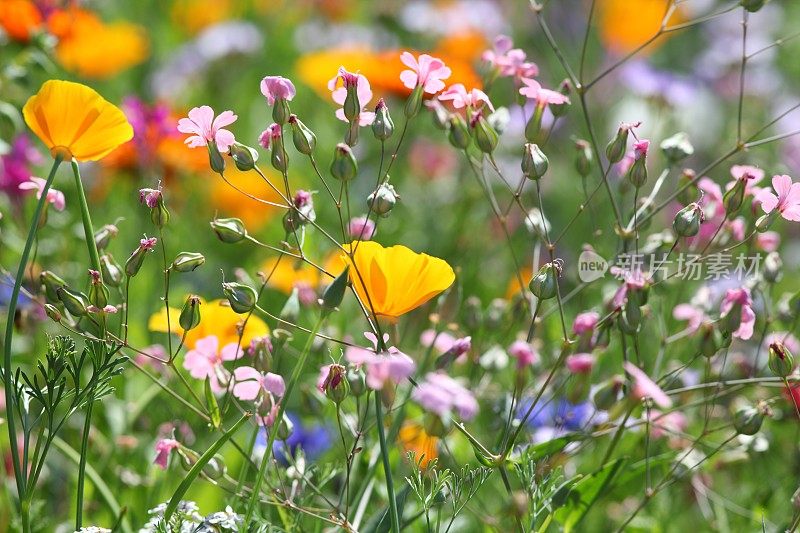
x=213 y=406
x=198 y=467
x=381 y=522
x=585 y=493
x=546 y=449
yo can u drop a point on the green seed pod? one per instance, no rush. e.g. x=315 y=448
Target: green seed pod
x=98 y=292
x=608 y=393
x=616 y=148
x=382 y=200
x=190 y=314
x=136 y=259
x=773 y=266
x=187 y=261
x=278 y=156
x=534 y=162
x=112 y=272
x=344 y=166
x=382 y=126
x=484 y=134
x=544 y=284
x=357 y=381
x=244 y=157
x=303 y=138
x=734 y=198
x=781 y=360
x=103 y=236
x=215 y=468
x=74 y=302
x=52 y=312
x=291 y=309
x=766 y=220
x=585 y=157
x=229 y=230
x=51 y=284
x=285 y=428
x=334 y=293
x=215 y=158
x=687 y=222
x=753 y=5
x=747 y=420
x=242 y=297
x=710 y=340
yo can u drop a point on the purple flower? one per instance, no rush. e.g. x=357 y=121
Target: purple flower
x=442 y=395
x=15 y=165
x=314 y=440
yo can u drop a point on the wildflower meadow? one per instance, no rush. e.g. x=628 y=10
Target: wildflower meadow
x=427 y=266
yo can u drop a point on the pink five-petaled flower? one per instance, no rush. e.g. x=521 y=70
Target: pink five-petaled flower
x=739 y=298
x=509 y=61
x=272 y=133
x=205 y=128
x=426 y=72
x=249 y=383
x=460 y=98
x=363 y=90
x=787 y=202
x=164 y=447
x=644 y=387
x=37 y=184
x=580 y=363
x=441 y=394
x=205 y=361
x=534 y=90
x=524 y=353
x=391 y=365
x=277 y=88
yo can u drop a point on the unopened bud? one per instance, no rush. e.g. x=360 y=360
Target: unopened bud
x=242 y=297
x=544 y=284
x=229 y=230
x=187 y=261
x=344 y=166
x=52 y=312
x=559 y=110
x=134 y=262
x=215 y=158
x=98 y=292
x=484 y=134
x=285 y=428
x=734 y=198
x=584 y=158
x=291 y=309
x=303 y=138
x=281 y=111
x=357 y=381
x=766 y=220
x=244 y=157
x=677 y=148
x=747 y=420
x=781 y=360
x=753 y=5
x=773 y=265
x=458 y=132
x=710 y=340
x=382 y=126
x=615 y=150
x=637 y=174
x=190 y=314
x=414 y=102
x=382 y=200
x=534 y=162
x=74 y=302
x=336 y=386
x=687 y=222
x=103 y=236
x=608 y=393
x=51 y=284
x=112 y=272
x=334 y=293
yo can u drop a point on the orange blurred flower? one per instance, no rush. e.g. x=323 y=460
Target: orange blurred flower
x=193 y=16
x=288 y=273
x=20 y=19
x=626 y=25
x=514 y=288
x=413 y=438
x=74 y=121
x=227 y=201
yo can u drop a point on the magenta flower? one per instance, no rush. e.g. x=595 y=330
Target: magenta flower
x=391 y=365
x=277 y=88
x=249 y=383
x=534 y=91
x=442 y=395
x=270 y=135
x=150 y=197
x=640 y=149
x=644 y=387
x=164 y=447
x=740 y=299
x=206 y=359
x=787 y=202
x=15 y=165
x=524 y=353
x=363 y=90
x=330 y=377
x=361 y=228
x=53 y=196
x=580 y=363
x=585 y=322
x=426 y=72
x=148 y=243
x=205 y=128
x=509 y=61
x=768 y=241
x=457 y=94
x=690 y=313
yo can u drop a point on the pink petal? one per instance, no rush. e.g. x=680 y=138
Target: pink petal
x=409 y=78
x=408 y=60
x=224 y=140
x=231 y=352
x=203 y=117
x=247 y=384
x=226 y=118
x=782 y=185
x=274 y=383
x=767 y=200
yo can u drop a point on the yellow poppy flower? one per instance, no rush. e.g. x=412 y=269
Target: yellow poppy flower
x=626 y=25
x=216 y=318
x=289 y=273
x=76 y=122
x=413 y=438
x=393 y=281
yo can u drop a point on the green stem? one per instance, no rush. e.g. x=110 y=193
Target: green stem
x=298 y=368
x=10 y=386
x=88 y=229
x=387 y=468
x=87 y=426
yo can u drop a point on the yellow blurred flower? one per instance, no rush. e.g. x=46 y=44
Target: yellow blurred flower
x=226 y=201
x=288 y=273
x=393 y=281
x=382 y=69
x=625 y=25
x=216 y=318
x=93 y=48
x=195 y=15
x=20 y=18
x=73 y=120
x=413 y=438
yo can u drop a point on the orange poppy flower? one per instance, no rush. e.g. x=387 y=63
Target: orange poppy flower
x=289 y=273
x=393 y=281
x=20 y=19
x=74 y=121
x=626 y=25
x=413 y=438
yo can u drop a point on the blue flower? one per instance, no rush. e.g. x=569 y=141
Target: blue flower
x=556 y=414
x=314 y=440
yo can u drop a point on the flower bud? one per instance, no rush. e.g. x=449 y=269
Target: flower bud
x=285 y=428
x=51 y=284
x=103 y=236
x=473 y=313
x=484 y=134
x=414 y=102
x=766 y=220
x=229 y=230
x=544 y=284
x=190 y=314
x=608 y=393
x=291 y=309
x=98 y=292
x=687 y=187
x=710 y=340
x=215 y=468
x=382 y=126
x=187 y=261
x=134 y=262
x=357 y=381
x=458 y=132
x=244 y=157
x=534 y=162
x=382 y=200
x=753 y=5
x=687 y=222
x=772 y=267
x=334 y=293
x=534 y=125
x=335 y=386
x=615 y=150
x=747 y=420
x=734 y=198
x=278 y=156
x=559 y=110
x=112 y=272
x=74 y=302
x=677 y=148
x=439 y=113
x=281 y=111
x=303 y=138
x=637 y=174
x=781 y=360
x=344 y=166
x=585 y=157
x=215 y=158
x=242 y=297
x=52 y=312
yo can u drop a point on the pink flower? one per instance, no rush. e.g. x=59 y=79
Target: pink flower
x=640 y=149
x=712 y=198
x=269 y=135
x=249 y=383
x=205 y=361
x=789 y=340
x=164 y=447
x=110 y=309
x=543 y=97
x=426 y=72
x=53 y=196
x=787 y=202
x=460 y=98
x=148 y=243
x=524 y=353
x=768 y=241
x=330 y=377
x=150 y=197
x=363 y=90
x=644 y=387
x=205 y=128
x=740 y=298
x=391 y=365
x=509 y=61
x=580 y=363
x=277 y=88
x=585 y=322
x=694 y=315
x=442 y=341
x=361 y=228
x=666 y=424
x=443 y=395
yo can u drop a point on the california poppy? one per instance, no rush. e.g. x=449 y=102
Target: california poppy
x=74 y=121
